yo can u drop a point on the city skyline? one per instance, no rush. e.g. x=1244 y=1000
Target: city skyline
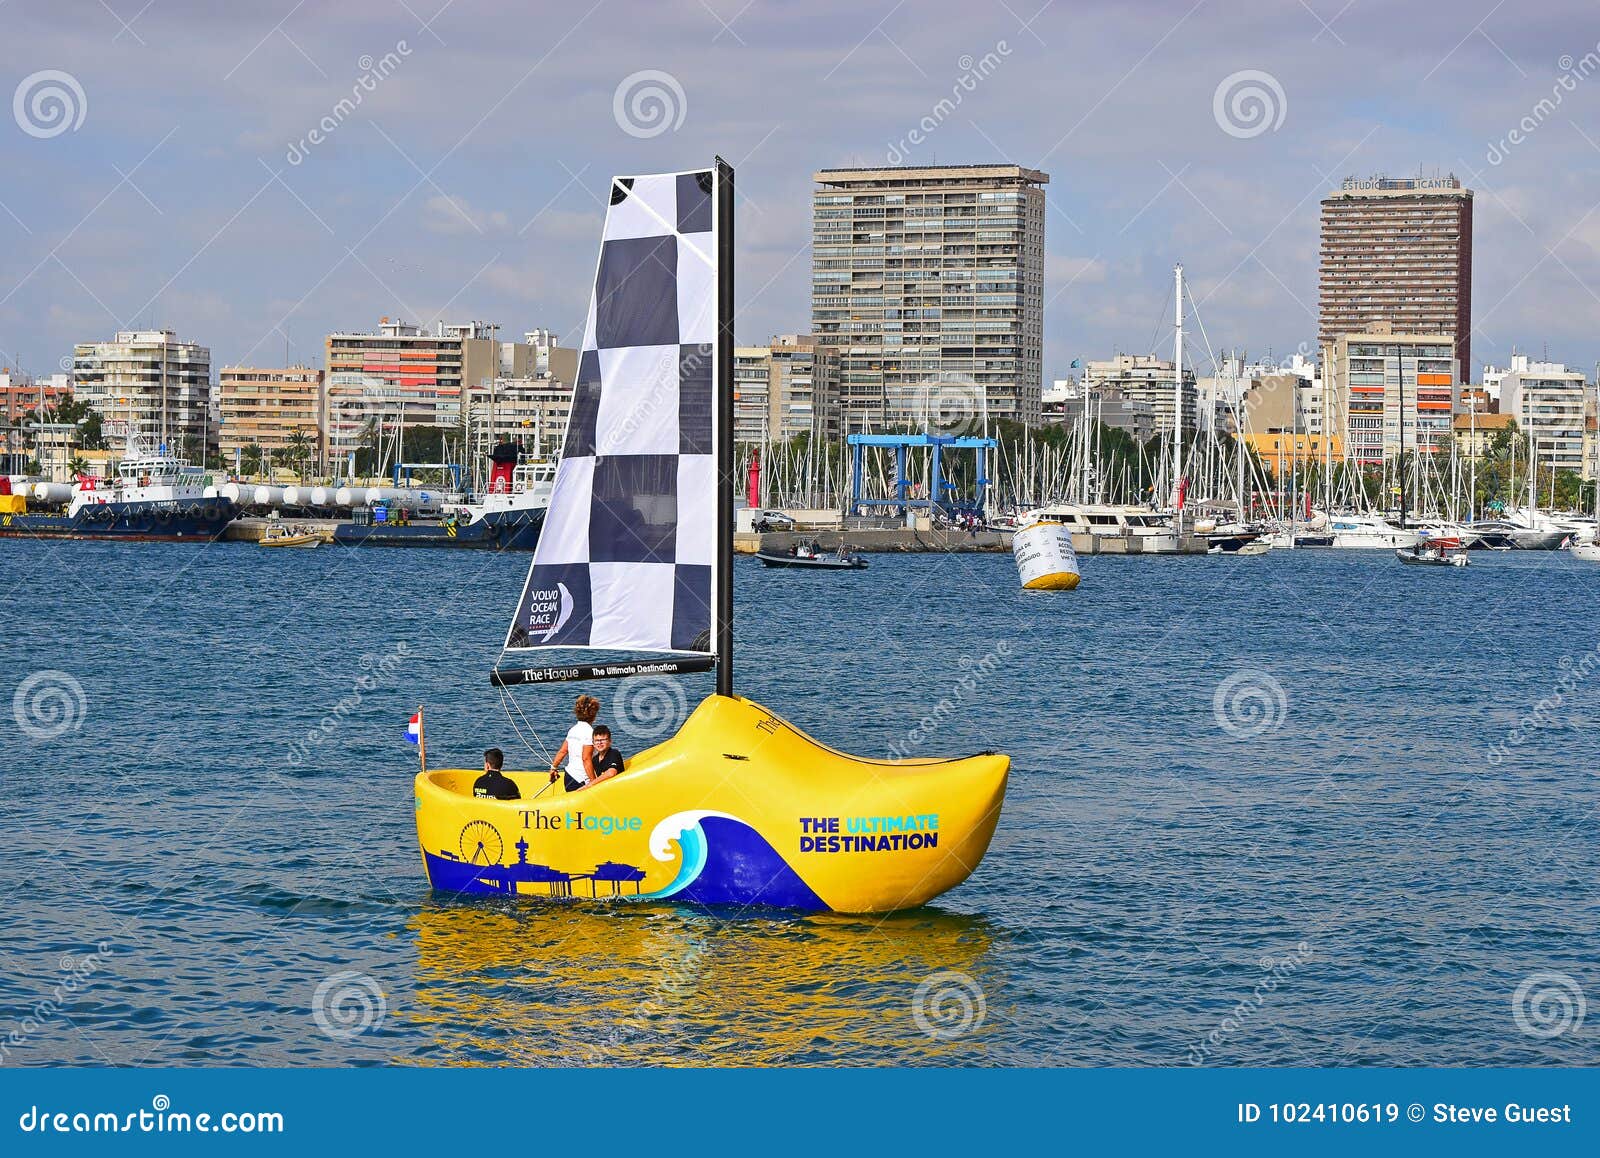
x=305 y=173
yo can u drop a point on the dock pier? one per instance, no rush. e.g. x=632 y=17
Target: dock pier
x=891 y=540
x=877 y=540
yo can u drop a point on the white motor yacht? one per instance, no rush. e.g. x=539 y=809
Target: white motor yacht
x=1369 y=533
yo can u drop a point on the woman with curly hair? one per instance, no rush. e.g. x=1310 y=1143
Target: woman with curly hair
x=578 y=748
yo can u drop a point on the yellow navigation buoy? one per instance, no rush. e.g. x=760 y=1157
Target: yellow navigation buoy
x=1045 y=558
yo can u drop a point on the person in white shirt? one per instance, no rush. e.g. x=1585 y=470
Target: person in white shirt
x=578 y=748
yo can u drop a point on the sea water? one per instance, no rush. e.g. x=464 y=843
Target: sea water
x=1314 y=808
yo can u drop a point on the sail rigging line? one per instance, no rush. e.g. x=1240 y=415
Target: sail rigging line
x=508 y=702
x=1161 y=322
x=1216 y=367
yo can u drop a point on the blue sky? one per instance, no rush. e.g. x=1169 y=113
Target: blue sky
x=181 y=191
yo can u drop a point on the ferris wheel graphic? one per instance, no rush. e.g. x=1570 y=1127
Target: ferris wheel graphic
x=481 y=843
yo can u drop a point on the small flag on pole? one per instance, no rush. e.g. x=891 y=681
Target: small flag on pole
x=414 y=734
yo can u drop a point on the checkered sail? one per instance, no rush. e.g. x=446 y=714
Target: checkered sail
x=626 y=558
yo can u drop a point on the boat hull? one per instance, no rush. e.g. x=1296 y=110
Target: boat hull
x=1430 y=560
x=1374 y=540
x=738 y=808
x=174 y=521
x=498 y=531
x=1538 y=540
x=1223 y=543
x=853 y=563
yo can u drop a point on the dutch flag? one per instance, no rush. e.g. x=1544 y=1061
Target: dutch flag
x=414 y=728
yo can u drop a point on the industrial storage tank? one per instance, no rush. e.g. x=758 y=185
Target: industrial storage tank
x=52 y=492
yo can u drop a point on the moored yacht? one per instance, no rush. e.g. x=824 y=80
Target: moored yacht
x=1579 y=528
x=1503 y=535
x=1143 y=529
x=1369 y=532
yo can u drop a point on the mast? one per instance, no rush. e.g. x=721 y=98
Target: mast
x=1238 y=454
x=1400 y=368
x=1472 y=459
x=1533 y=472
x=1177 y=383
x=723 y=384
x=1294 y=464
x=1327 y=433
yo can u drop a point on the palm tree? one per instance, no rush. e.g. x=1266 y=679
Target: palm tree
x=299 y=445
x=370 y=439
x=250 y=460
x=77 y=465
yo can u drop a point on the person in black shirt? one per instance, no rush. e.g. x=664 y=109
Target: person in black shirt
x=495 y=784
x=607 y=760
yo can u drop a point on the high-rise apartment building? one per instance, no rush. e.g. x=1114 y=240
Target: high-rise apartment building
x=405 y=374
x=1392 y=391
x=929 y=282
x=149 y=385
x=268 y=408
x=1398 y=250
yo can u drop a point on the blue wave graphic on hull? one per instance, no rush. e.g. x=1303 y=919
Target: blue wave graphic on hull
x=726 y=862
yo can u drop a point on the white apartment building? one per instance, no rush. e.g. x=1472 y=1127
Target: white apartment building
x=530 y=408
x=149 y=385
x=787 y=388
x=1151 y=380
x=1550 y=404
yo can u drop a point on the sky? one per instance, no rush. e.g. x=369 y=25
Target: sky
x=191 y=166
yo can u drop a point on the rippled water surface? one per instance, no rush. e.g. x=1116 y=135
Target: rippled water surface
x=1258 y=815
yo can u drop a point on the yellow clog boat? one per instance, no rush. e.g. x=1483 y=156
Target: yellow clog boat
x=738 y=808
x=635 y=556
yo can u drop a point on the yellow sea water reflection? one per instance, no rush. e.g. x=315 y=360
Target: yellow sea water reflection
x=560 y=984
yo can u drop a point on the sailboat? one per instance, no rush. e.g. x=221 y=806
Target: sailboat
x=739 y=807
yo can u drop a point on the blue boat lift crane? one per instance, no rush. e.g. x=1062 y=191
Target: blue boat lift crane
x=941 y=494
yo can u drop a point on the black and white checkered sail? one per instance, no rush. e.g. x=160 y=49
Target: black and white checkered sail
x=627 y=556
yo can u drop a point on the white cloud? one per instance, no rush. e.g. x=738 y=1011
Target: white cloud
x=451 y=215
